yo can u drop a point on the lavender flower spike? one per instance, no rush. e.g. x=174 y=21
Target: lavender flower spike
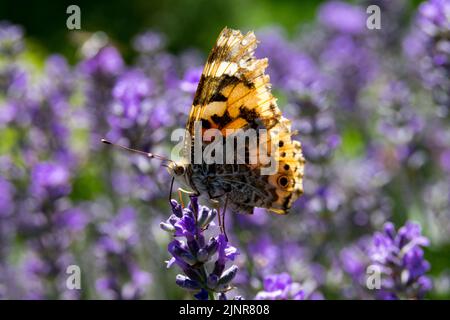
x=400 y=257
x=204 y=263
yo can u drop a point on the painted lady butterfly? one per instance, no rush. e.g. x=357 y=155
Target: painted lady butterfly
x=234 y=95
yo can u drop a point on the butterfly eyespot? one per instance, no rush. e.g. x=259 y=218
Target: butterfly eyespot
x=283 y=181
x=286 y=167
x=281 y=144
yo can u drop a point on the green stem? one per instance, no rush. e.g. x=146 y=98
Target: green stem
x=211 y=295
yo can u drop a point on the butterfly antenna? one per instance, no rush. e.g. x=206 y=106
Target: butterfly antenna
x=147 y=154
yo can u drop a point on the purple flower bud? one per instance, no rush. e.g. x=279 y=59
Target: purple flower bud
x=181 y=254
x=202 y=295
x=212 y=247
x=176 y=208
x=212 y=281
x=202 y=255
x=187 y=283
x=228 y=276
x=167 y=227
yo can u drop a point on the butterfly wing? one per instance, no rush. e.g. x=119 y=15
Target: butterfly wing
x=234 y=93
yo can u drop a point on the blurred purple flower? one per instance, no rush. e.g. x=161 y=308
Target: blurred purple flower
x=265 y=254
x=354 y=259
x=191 y=78
x=428 y=47
x=349 y=66
x=6 y=197
x=130 y=90
x=73 y=220
x=343 y=17
x=280 y=287
x=149 y=42
x=11 y=39
x=122 y=279
x=399 y=257
x=106 y=62
x=50 y=180
x=399 y=122
x=362 y=207
x=289 y=68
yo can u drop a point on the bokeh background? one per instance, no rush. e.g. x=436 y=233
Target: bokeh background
x=371 y=108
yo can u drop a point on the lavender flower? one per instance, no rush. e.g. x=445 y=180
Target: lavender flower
x=106 y=62
x=289 y=68
x=100 y=71
x=49 y=181
x=191 y=79
x=123 y=278
x=428 y=46
x=398 y=122
x=149 y=42
x=203 y=262
x=42 y=215
x=350 y=67
x=132 y=111
x=400 y=258
x=49 y=224
x=342 y=17
x=6 y=198
x=362 y=207
x=11 y=39
x=280 y=287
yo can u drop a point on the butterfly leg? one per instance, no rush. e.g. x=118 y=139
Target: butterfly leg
x=179 y=193
x=223 y=218
x=180 y=196
x=171 y=189
x=191 y=194
x=219 y=217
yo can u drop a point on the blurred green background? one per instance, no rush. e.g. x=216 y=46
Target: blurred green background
x=187 y=23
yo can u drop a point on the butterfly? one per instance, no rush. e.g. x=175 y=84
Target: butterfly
x=234 y=94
